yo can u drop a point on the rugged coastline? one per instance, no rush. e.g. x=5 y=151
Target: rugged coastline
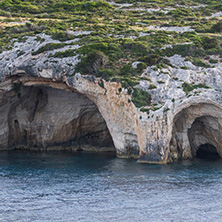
x=51 y=109
x=146 y=91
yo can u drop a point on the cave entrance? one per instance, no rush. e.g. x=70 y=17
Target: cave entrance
x=207 y=151
x=197 y=132
x=45 y=118
x=203 y=136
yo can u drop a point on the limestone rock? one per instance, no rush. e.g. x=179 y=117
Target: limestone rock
x=46 y=105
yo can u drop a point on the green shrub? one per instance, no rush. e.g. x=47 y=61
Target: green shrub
x=146 y=78
x=152 y=86
x=62 y=36
x=213 y=60
x=141 y=66
x=185 y=50
x=217 y=27
x=91 y=63
x=151 y=59
x=105 y=73
x=200 y=62
x=184 y=67
x=126 y=70
x=48 y=47
x=63 y=54
x=139 y=48
x=141 y=98
x=209 y=42
x=129 y=82
x=147 y=110
x=100 y=46
x=189 y=87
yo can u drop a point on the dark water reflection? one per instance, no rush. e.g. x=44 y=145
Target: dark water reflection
x=68 y=186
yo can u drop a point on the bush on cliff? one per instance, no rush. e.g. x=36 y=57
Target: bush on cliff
x=151 y=59
x=91 y=63
x=189 y=87
x=48 y=47
x=141 y=98
x=45 y=6
x=209 y=42
x=185 y=50
x=217 y=27
x=105 y=73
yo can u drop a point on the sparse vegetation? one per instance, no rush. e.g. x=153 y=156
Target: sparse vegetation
x=62 y=54
x=152 y=86
x=49 y=47
x=189 y=87
x=91 y=63
x=141 y=97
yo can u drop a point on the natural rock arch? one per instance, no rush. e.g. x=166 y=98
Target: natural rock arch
x=51 y=116
x=195 y=126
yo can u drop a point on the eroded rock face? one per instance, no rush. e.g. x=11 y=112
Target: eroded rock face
x=101 y=112
x=53 y=115
x=195 y=126
x=120 y=114
x=39 y=117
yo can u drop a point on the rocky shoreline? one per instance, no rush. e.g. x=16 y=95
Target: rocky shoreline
x=44 y=105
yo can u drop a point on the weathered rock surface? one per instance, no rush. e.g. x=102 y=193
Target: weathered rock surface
x=42 y=105
x=40 y=117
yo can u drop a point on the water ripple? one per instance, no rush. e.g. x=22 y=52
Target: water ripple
x=97 y=187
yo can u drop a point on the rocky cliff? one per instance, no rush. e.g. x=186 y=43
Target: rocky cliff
x=43 y=106
x=140 y=78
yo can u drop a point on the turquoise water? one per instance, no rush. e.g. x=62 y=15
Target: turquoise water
x=58 y=186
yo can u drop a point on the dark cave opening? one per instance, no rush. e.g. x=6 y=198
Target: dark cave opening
x=207 y=151
x=197 y=133
x=45 y=118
